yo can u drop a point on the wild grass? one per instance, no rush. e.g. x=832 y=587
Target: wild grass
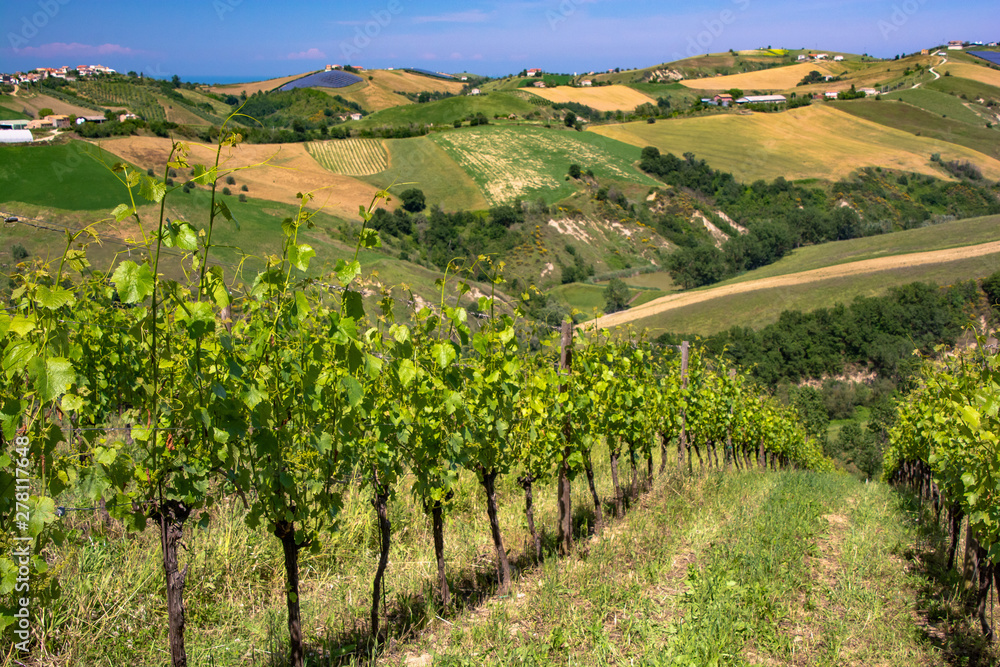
x=955 y=234
x=761 y=307
x=939 y=103
x=924 y=123
x=818 y=141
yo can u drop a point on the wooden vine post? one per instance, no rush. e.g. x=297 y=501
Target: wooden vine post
x=682 y=445
x=565 y=499
x=729 y=429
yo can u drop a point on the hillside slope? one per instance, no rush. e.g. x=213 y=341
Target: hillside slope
x=817 y=141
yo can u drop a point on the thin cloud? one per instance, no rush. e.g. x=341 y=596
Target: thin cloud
x=57 y=49
x=310 y=54
x=471 y=16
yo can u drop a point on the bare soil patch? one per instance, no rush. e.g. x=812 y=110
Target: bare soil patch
x=289 y=170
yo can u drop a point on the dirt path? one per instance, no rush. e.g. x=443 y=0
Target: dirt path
x=931 y=70
x=673 y=301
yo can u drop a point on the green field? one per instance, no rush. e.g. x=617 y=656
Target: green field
x=421 y=163
x=8 y=110
x=942 y=104
x=581 y=296
x=450 y=109
x=528 y=162
x=973 y=90
x=762 y=307
x=935 y=237
x=65 y=176
x=918 y=121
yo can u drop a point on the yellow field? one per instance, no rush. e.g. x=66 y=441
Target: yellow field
x=810 y=142
x=289 y=170
x=34 y=103
x=350 y=157
x=602 y=98
x=777 y=78
x=255 y=86
x=974 y=72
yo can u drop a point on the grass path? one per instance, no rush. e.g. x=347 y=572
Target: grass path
x=793 y=568
x=867 y=266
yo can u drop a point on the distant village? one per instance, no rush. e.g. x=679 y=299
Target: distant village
x=19 y=131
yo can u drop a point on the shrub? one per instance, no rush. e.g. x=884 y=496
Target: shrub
x=18 y=252
x=226 y=191
x=244 y=188
x=230 y=180
x=413 y=200
x=574 y=171
x=243 y=197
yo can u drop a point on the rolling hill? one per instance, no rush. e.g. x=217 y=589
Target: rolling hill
x=820 y=276
x=817 y=141
x=603 y=98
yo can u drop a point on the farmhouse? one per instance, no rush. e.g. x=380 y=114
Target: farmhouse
x=802 y=57
x=821 y=56
x=80 y=120
x=356 y=116
x=586 y=83
x=830 y=95
x=956 y=45
x=869 y=92
x=539 y=84
x=475 y=91
x=838 y=58
x=534 y=71
x=723 y=99
x=15 y=137
x=925 y=52
x=762 y=99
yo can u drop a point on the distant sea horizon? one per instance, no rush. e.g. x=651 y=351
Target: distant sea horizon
x=223 y=79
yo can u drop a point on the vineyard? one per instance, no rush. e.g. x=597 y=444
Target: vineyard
x=134 y=98
x=290 y=400
x=350 y=157
x=946 y=447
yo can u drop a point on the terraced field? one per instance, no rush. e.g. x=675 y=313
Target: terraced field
x=350 y=157
x=818 y=141
x=602 y=98
x=528 y=162
x=114 y=94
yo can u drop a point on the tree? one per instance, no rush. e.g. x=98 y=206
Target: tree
x=413 y=200
x=616 y=296
x=45 y=111
x=570 y=119
x=574 y=171
x=175 y=81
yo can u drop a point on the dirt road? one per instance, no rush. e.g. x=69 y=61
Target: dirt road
x=682 y=299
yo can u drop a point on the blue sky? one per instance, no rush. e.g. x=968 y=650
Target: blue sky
x=254 y=39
